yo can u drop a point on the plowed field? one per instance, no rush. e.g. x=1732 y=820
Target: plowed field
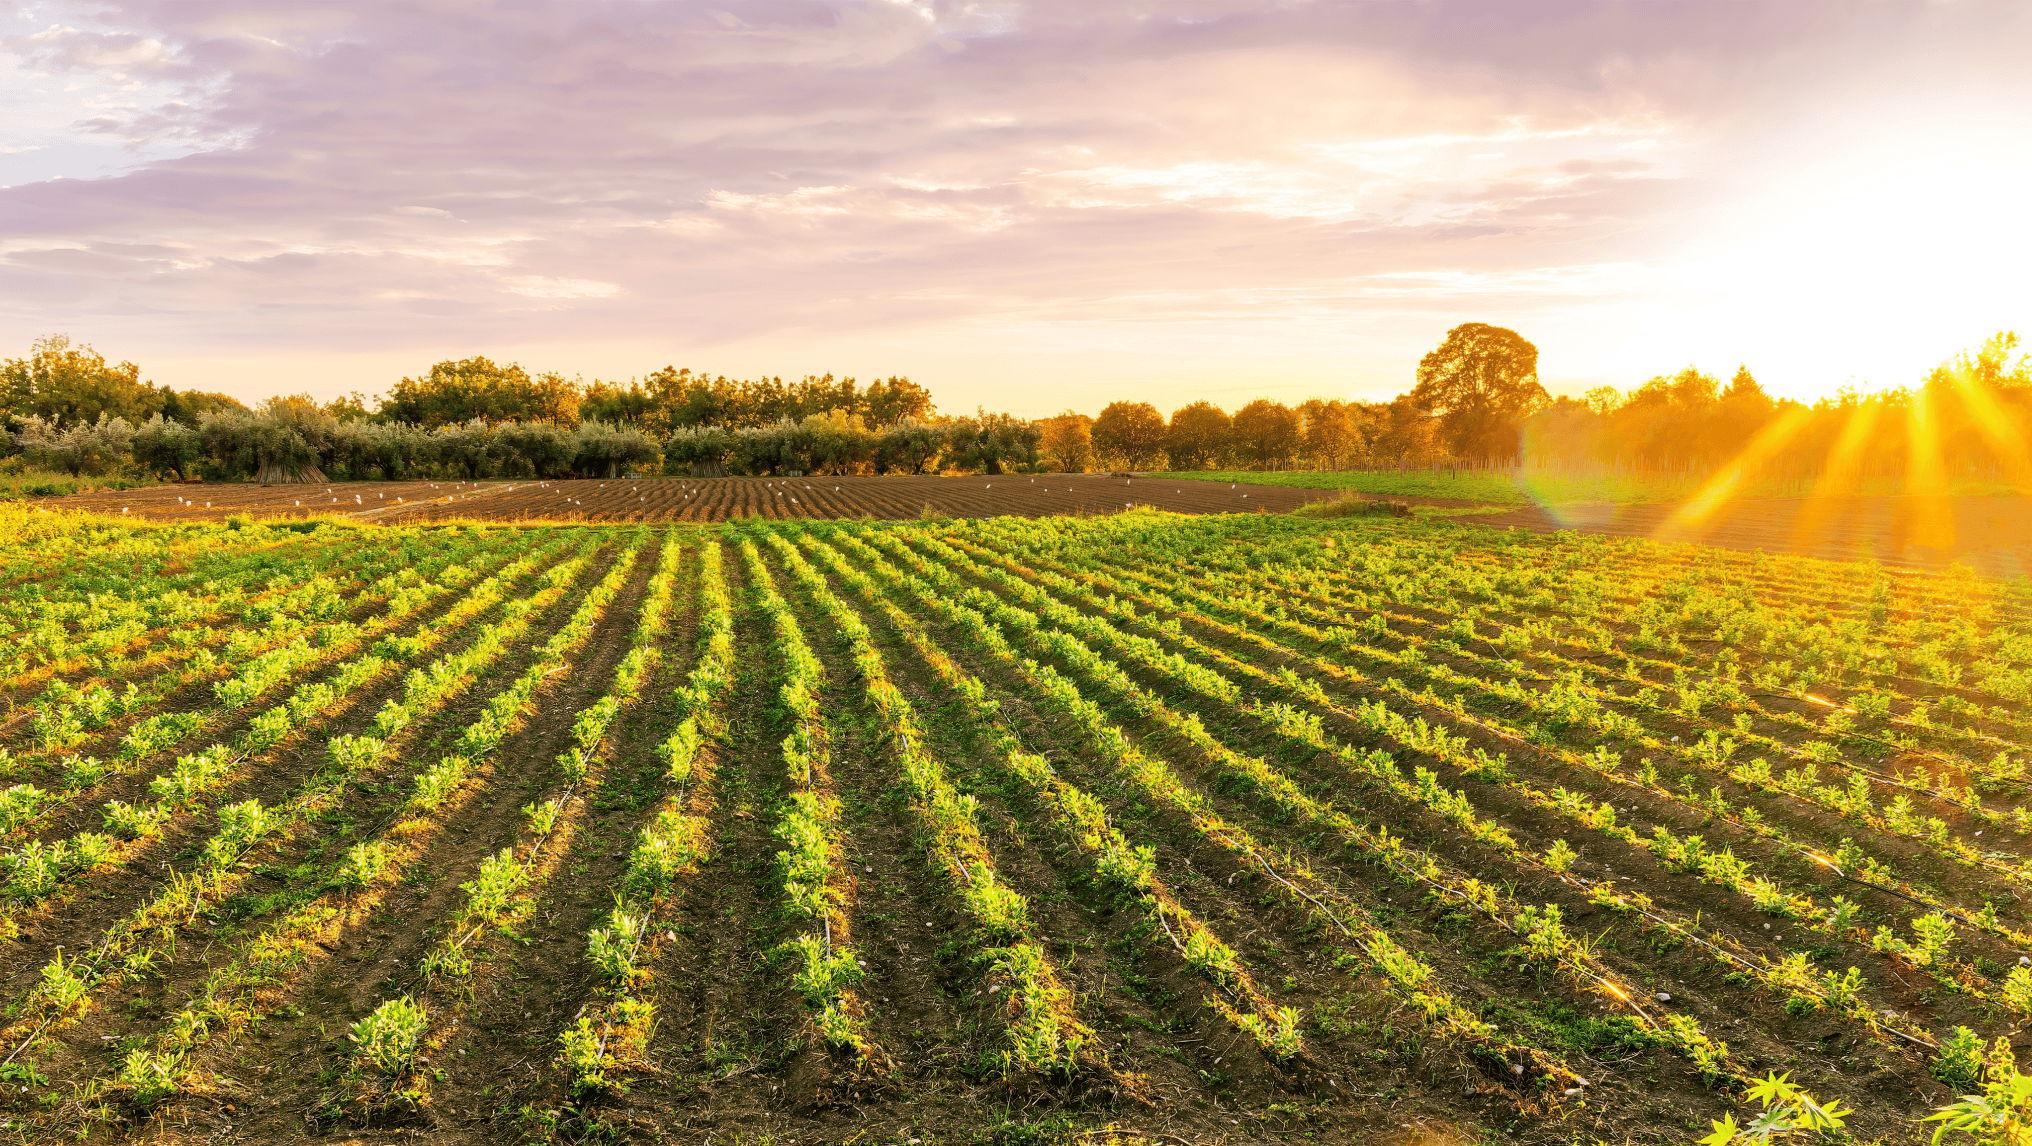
x=215 y=501
x=708 y=500
x=1116 y=829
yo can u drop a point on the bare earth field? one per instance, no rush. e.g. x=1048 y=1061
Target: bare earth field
x=704 y=500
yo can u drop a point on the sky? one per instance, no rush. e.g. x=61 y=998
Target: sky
x=1023 y=206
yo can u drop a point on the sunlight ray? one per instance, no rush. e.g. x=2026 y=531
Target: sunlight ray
x=1994 y=424
x=1839 y=477
x=1928 y=517
x=1768 y=443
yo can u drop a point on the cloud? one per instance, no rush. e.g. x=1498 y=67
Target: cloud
x=811 y=174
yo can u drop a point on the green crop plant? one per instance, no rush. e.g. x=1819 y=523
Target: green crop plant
x=387 y=1039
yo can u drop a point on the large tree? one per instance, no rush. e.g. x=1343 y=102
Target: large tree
x=69 y=385
x=1481 y=382
x=1330 y=432
x=1269 y=432
x=894 y=398
x=1130 y=432
x=1199 y=436
x=455 y=392
x=1068 y=442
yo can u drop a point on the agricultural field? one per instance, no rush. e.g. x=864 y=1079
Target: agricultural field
x=1140 y=827
x=696 y=500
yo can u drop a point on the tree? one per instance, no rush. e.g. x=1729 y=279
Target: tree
x=86 y=448
x=530 y=449
x=1482 y=381
x=1603 y=400
x=701 y=451
x=351 y=408
x=1329 y=431
x=836 y=442
x=605 y=451
x=894 y=399
x=986 y=442
x=549 y=397
x=909 y=444
x=1405 y=429
x=454 y=392
x=1069 y=442
x=296 y=438
x=1268 y=431
x=1670 y=417
x=165 y=445
x=1131 y=433
x=1198 y=437
x=272 y=448
x=73 y=385
x=629 y=405
x=187 y=406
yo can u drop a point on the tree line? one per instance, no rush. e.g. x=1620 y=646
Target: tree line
x=1476 y=399
x=64 y=407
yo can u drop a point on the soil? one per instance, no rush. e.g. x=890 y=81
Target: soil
x=216 y=501
x=696 y=499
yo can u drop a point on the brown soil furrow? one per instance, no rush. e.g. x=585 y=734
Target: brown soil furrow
x=711 y=499
x=1075 y=916
x=101 y=898
x=507 y=1047
x=373 y=959
x=1283 y=951
x=1700 y=988
x=210 y=937
x=917 y=977
x=727 y=1025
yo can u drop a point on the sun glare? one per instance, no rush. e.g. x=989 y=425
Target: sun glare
x=1929 y=518
x=1727 y=481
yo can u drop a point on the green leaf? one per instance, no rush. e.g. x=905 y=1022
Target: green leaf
x=1724 y=1132
x=1774 y=1088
